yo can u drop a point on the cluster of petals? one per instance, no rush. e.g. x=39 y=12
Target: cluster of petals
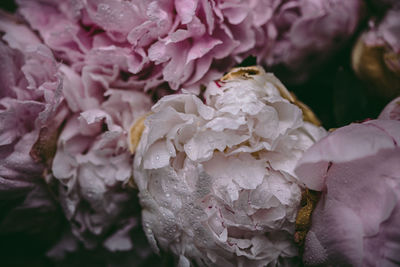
x=356 y=222
x=216 y=180
x=298 y=36
x=30 y=112
x=187 y=43
x=93 y=163
x=47 y=106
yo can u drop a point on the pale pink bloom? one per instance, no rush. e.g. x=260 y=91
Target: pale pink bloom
x=181 y=42
x=298 y=36
x=93 y=163
x=30 y=108
x=356 y=221
x=216 y=179
x=187 y=43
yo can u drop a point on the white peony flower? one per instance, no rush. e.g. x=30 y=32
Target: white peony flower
x=216 y=179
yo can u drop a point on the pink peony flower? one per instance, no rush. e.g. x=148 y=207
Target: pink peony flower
x=93 y=161
x=92 y=165
x=356 y=221
x=191 y=42
x=174 y=41
x=298 y=36
x=30 y=113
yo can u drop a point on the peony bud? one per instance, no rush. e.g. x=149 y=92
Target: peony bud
x=300 y=36
x=376 y=56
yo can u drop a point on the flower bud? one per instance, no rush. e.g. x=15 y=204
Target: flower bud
x=376 y=57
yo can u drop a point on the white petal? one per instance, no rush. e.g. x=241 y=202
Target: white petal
x=157 y=156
